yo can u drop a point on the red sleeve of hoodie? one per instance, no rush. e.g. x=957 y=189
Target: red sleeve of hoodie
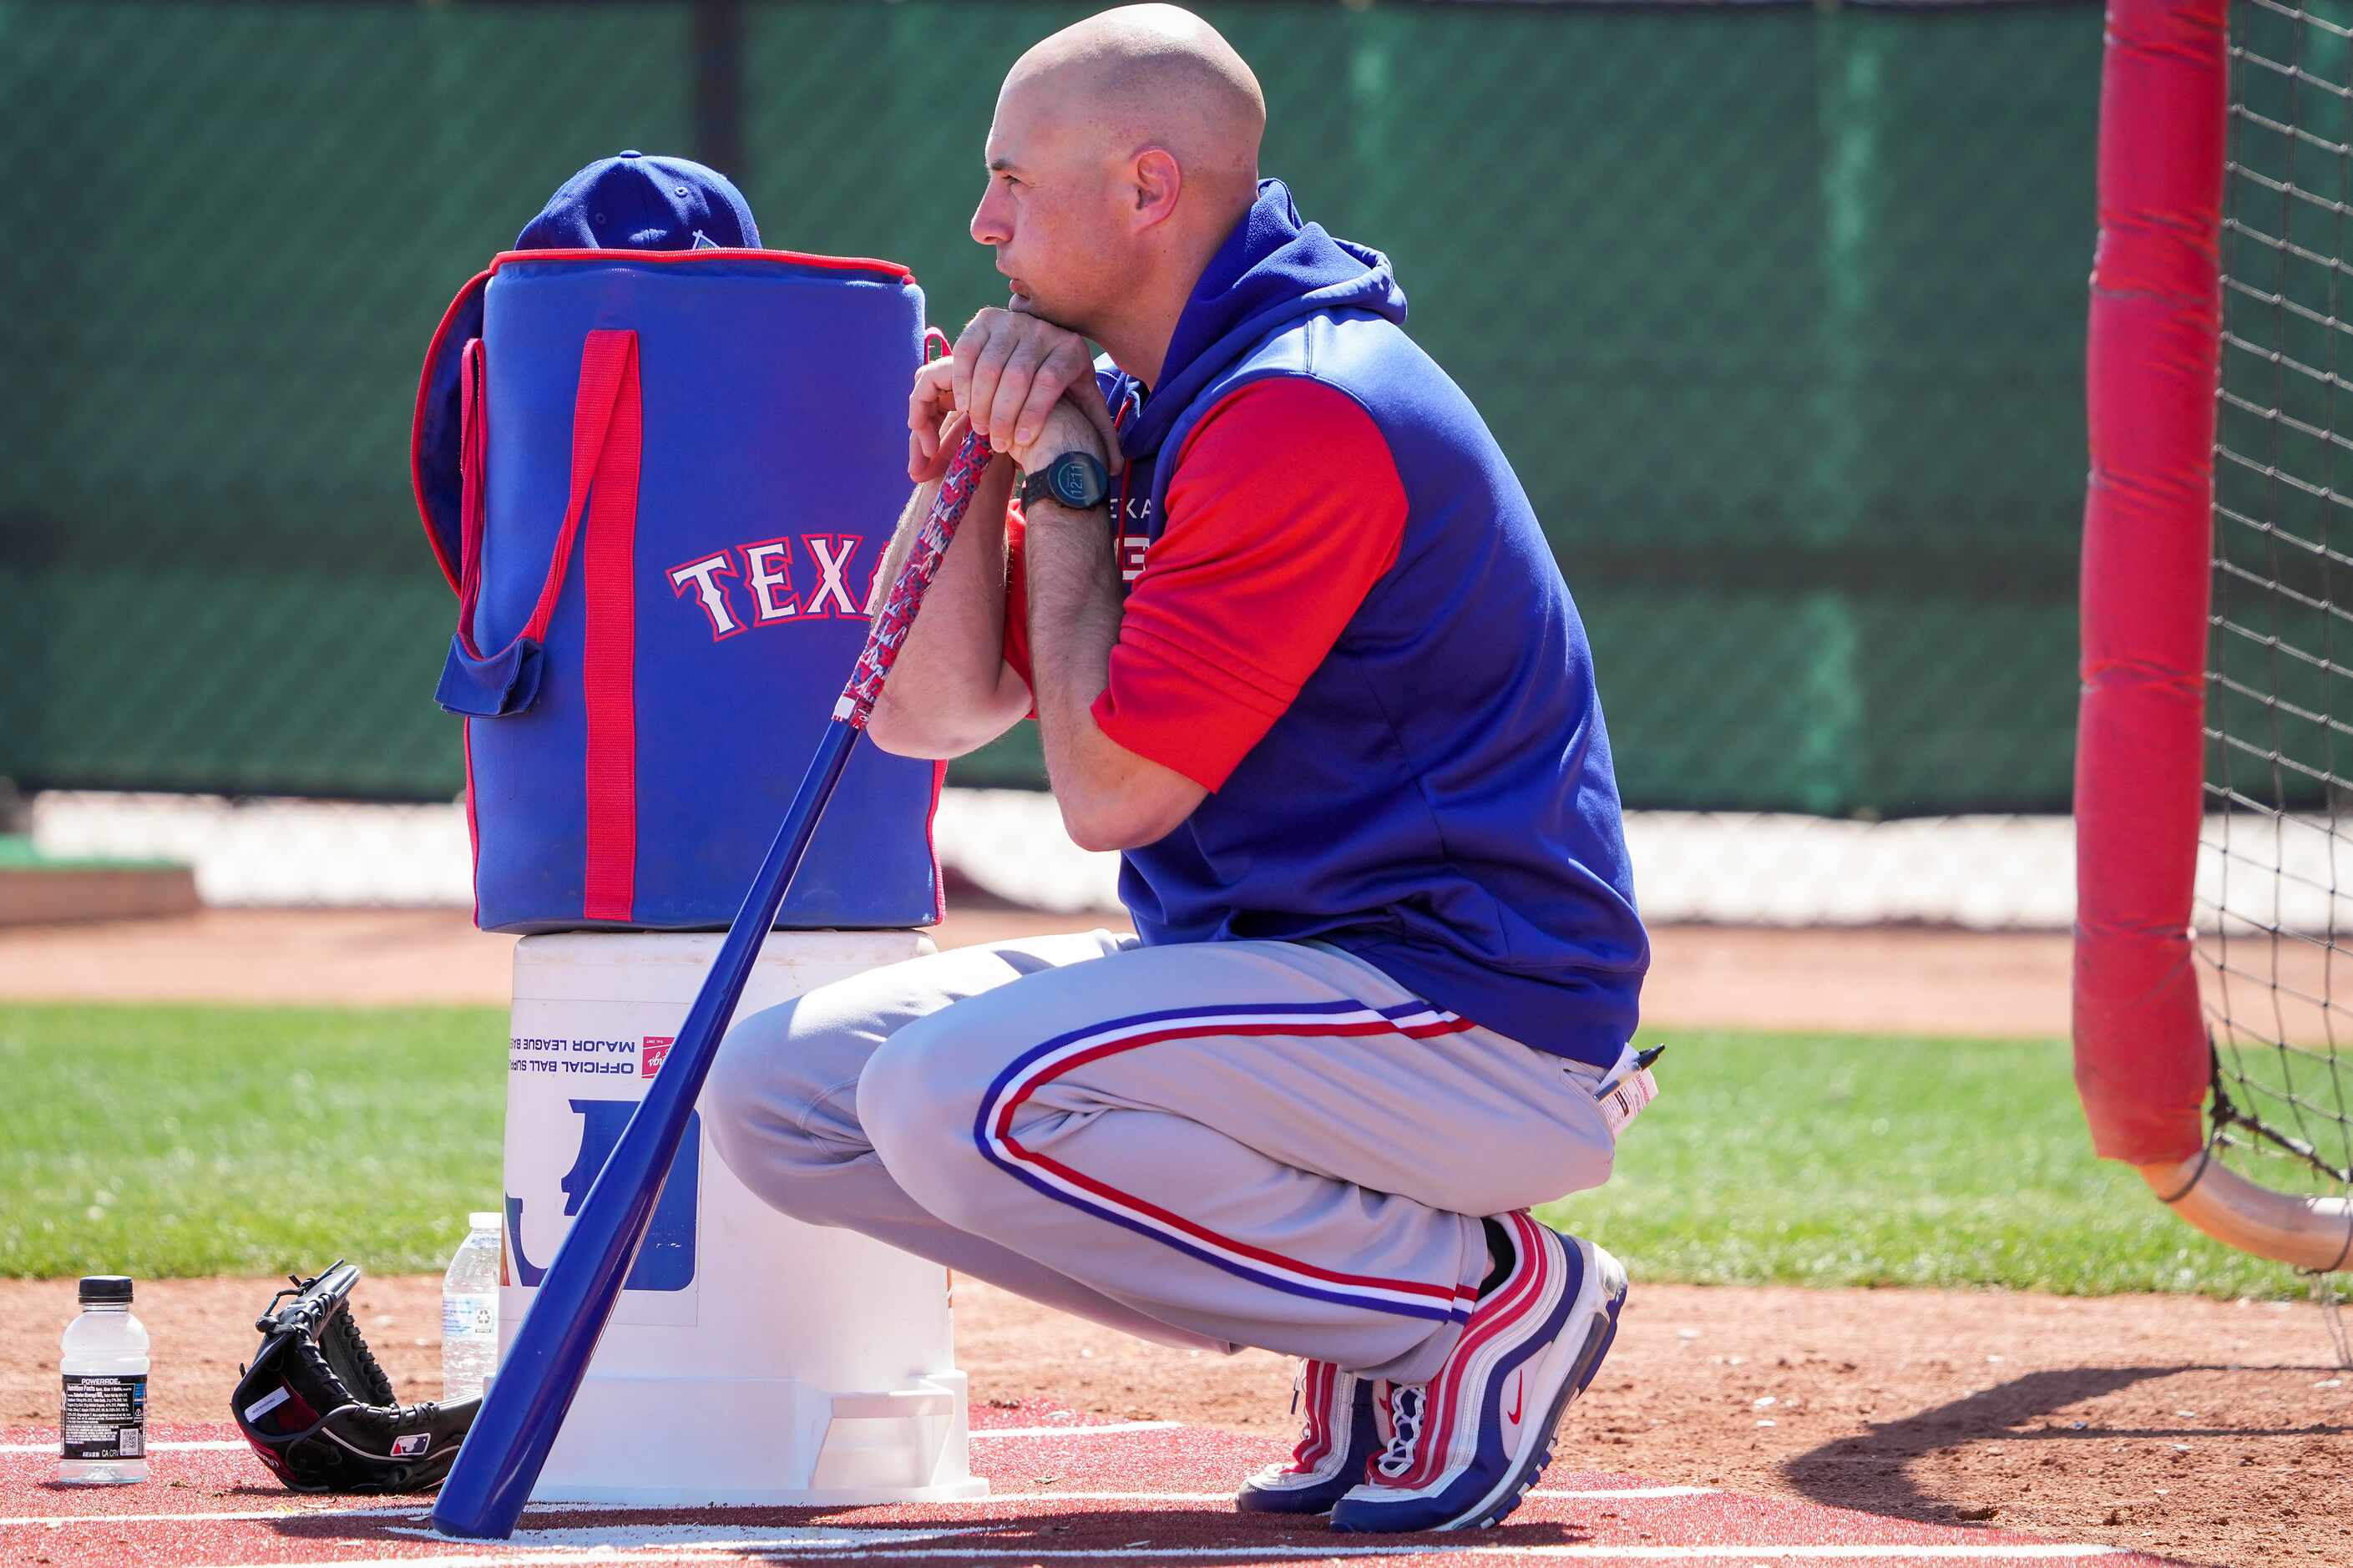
x=1284 y=508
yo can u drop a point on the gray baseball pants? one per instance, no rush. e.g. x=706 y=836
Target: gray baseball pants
x=1209 y=1144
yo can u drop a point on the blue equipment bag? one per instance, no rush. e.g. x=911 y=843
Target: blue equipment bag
x=660 y=483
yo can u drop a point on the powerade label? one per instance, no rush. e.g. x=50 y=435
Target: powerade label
x=105 y=1418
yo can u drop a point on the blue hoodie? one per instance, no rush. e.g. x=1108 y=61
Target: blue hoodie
x=1436 y=797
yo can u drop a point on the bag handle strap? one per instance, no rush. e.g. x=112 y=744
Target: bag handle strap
x=473 y=443
x=608 y=360
x=607 y=435
x=608 y=375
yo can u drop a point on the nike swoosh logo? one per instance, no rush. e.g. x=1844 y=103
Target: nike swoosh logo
x=1519 y=1387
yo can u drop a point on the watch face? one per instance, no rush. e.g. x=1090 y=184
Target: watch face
x=1074 y=482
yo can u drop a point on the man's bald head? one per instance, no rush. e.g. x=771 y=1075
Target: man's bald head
x=1144 y=76
x=1123 y=151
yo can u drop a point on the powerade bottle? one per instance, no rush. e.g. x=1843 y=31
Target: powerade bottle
x=469 y=1311
x=104 y=1361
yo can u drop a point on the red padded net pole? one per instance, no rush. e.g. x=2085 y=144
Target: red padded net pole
x=2140 y=1044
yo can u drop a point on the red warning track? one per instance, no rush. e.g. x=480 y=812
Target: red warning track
x=1063 y=1490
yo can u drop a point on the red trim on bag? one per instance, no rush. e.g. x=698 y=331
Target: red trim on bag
x=609 y=659
x=473 y=825
x=471 y=290
x=416 y=422
x=710 y=253
x=473 y=440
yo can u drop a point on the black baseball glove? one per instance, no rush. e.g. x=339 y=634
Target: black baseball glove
x=320 y=1411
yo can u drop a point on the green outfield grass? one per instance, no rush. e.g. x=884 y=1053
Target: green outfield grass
x=176 y=1141
x=17 y=854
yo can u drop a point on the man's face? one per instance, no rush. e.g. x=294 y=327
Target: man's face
x=1051 y=209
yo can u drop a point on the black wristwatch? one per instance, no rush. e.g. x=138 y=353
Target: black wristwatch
x=1075 y=479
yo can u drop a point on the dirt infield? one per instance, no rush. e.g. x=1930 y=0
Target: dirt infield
x=2209 y=1432
x=1062 y=1488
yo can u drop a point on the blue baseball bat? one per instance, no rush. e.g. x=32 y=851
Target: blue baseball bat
x=507 y=1445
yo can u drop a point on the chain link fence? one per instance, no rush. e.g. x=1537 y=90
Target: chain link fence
x=1777 y=310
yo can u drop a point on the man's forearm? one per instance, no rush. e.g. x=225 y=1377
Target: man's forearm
x=1110 y=798
x=1073 y=622
x=948 y=690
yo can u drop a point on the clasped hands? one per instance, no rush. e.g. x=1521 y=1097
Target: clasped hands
x=1025 y=383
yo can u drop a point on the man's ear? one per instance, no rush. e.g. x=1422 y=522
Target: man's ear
x=1155 y=184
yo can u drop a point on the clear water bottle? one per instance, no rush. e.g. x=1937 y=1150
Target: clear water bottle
x=469 y=1311
x=104 y=1360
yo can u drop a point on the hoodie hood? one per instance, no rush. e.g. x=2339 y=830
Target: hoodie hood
x=1271 y=269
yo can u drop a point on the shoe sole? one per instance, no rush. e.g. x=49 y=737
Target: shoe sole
x=1297 y=1502
x=1600 y=1332
x=1259 y=1501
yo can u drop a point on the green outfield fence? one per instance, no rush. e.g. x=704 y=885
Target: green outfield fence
x=1776 y=310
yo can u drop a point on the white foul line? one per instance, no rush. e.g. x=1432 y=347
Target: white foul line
x=229 y=1445
x=59 y=1521
x=210 y=1444
x=1599 y=1494
x=1956 y=1551
x=412 y=1510
x=1099 y=1430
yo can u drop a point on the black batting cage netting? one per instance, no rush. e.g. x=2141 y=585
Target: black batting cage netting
x=1777 y=310
x=2277 y=846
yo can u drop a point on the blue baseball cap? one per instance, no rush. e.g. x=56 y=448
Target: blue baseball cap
x=640 y=202
x=629 y=202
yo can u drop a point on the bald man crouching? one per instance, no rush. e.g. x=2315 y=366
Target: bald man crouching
x=1297 y=647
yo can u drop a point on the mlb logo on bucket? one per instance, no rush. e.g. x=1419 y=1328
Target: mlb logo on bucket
x=549 y=1192
x=650 y=1052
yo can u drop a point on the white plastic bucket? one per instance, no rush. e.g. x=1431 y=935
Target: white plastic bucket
x=751 y=1359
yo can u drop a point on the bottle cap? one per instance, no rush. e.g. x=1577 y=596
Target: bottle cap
x=484 y=1219
x=107 y=1290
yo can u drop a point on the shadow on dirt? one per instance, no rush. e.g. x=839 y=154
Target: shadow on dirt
x=1869 y=1471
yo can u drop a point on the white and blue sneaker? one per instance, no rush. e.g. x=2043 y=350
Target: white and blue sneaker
x=1465 y=1447
x=1339 y=1441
